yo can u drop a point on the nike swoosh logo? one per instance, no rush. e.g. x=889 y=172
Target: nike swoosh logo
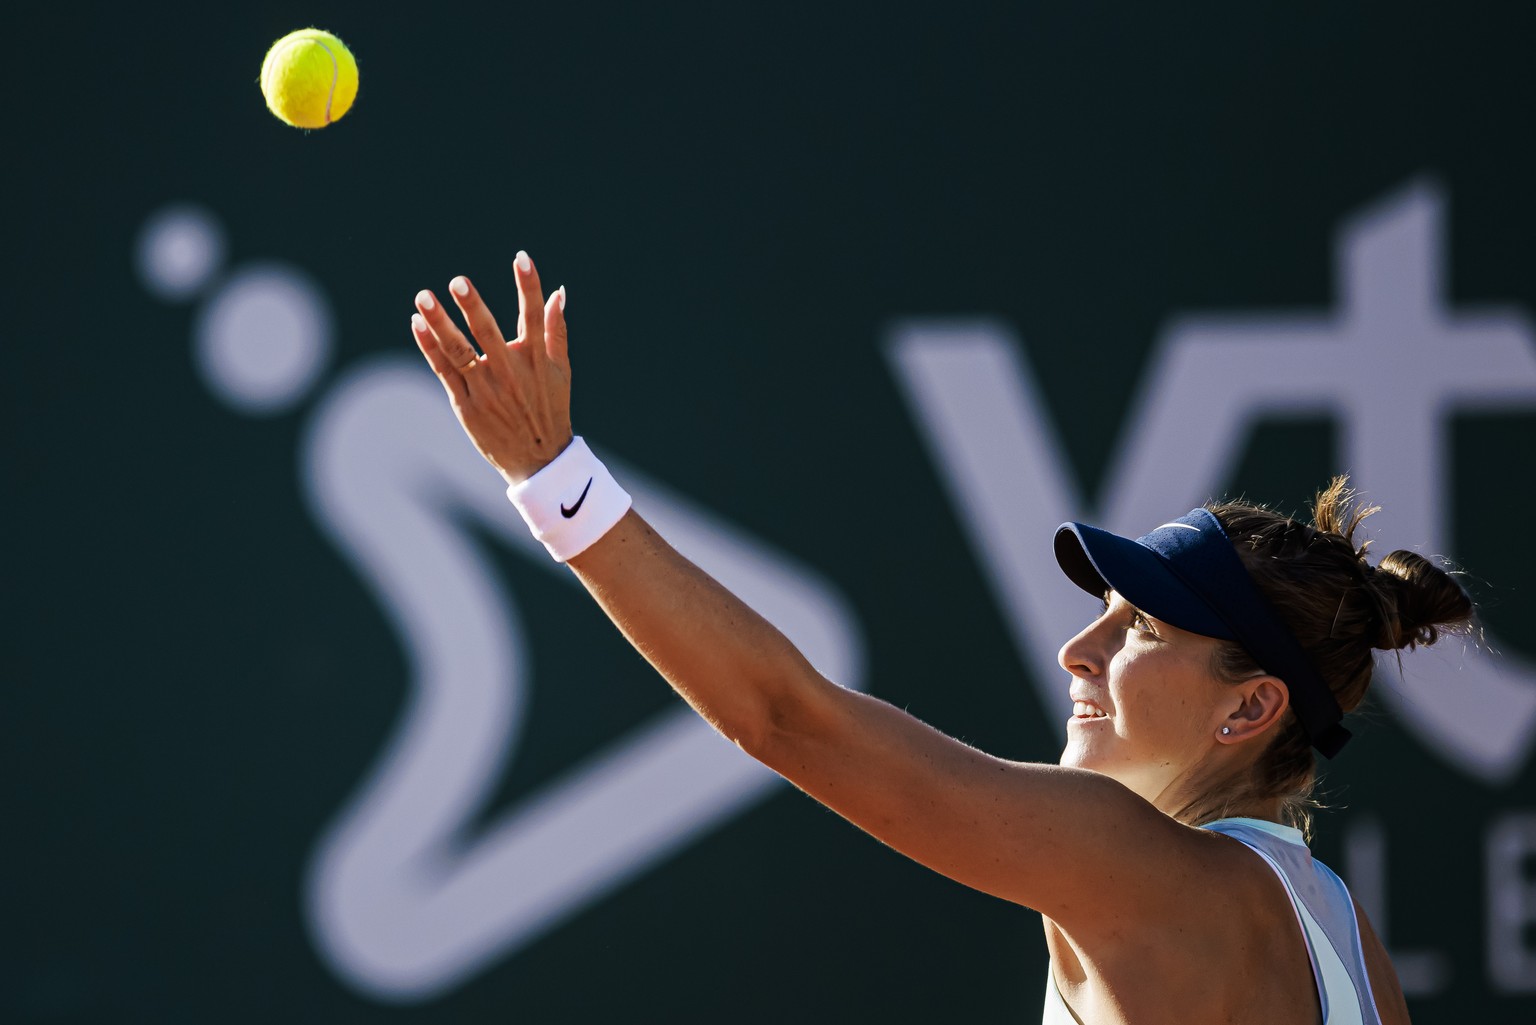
x=568 y=513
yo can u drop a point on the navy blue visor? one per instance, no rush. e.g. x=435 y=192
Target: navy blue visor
x=1188 y=574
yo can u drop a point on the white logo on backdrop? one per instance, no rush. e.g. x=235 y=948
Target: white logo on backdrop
x=402 y=908
x=401 y=904
x=1389 y=364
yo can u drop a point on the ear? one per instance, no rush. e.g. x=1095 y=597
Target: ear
x=1263 y=701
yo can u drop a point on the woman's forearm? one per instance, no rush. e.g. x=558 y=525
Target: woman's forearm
x=514 y=401
x=732 y=665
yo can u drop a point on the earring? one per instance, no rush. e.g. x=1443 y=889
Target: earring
x=1226 y=730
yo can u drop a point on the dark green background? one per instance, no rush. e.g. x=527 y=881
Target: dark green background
x=741 y=198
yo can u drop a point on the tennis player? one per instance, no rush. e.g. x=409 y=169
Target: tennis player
x=1167 y=850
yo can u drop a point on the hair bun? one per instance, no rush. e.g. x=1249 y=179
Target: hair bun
x=1418 y=601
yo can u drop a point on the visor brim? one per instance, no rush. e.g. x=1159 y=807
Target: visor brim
x=1098 y=562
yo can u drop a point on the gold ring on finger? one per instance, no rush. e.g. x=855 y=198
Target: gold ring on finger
x=472 y=363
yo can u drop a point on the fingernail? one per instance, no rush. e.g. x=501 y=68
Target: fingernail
x=561 y=294
x=419 y=324
x=424 y=299
x=523 y=263
x=460 y=285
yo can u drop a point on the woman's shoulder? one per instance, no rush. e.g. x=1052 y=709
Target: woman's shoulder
x=1265 y=863
x=1328 y=913
x=1224 y=906
x=1209 y=884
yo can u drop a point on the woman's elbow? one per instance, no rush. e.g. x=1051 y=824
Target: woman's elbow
x=792 y=719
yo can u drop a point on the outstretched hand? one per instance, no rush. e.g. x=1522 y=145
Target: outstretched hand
x=514 y=401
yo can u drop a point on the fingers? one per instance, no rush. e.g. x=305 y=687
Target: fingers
x=530 y=302
x=445 y=347
x=541 y=326
x=554 y=328
x=478 y=316
x=455 y=347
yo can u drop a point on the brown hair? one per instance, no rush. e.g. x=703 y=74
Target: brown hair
x=1341 y=609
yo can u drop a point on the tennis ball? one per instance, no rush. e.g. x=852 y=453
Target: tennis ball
x=309 y=78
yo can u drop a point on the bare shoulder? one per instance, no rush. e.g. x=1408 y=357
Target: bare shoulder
x=1224 y=907
x=1384 y=984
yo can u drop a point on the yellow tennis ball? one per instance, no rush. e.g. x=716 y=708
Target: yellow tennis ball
x=309 y=78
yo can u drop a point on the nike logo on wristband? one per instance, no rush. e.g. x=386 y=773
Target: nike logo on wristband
x=568 y=513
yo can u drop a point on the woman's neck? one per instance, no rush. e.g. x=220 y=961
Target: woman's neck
x=1195 y=805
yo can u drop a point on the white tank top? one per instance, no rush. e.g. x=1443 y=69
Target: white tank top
x=1327 y=917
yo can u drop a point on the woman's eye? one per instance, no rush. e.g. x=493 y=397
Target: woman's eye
x=1140 y=622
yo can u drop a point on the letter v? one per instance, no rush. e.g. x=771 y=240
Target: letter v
x=983 y=420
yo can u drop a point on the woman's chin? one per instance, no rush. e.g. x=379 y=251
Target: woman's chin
x=1076 y=755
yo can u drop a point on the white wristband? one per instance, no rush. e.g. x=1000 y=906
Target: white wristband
x=571 y=502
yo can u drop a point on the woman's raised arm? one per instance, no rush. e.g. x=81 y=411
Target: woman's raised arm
x=1070 y=843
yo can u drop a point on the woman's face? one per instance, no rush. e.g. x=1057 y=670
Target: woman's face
x=1146 y=705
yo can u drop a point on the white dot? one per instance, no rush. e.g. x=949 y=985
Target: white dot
x=179 y=249
x=262 y=339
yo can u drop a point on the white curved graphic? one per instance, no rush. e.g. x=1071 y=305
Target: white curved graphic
x=1390 y=365
x=401 y=903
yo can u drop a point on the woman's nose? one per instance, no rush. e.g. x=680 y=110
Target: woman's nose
x=1081 y=656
